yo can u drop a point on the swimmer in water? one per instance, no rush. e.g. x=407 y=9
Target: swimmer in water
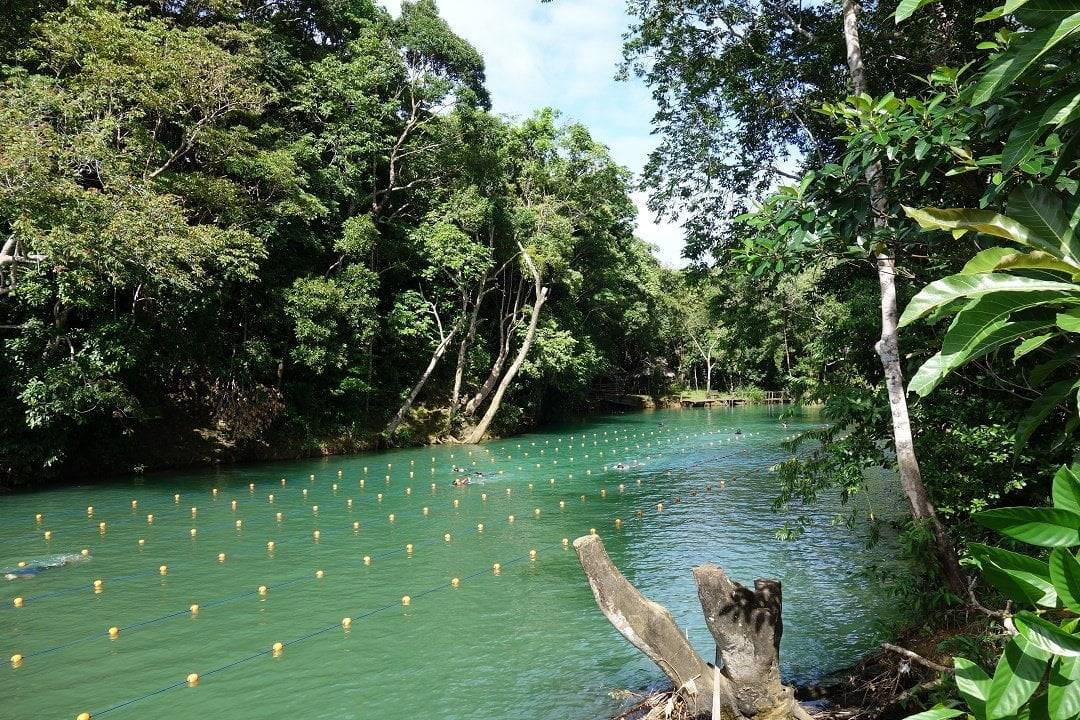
x=620 y=466
x=738 y=431
x=460 y=482
x=459 y=469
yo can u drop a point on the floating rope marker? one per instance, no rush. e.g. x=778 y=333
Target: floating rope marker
x=457 y=503
x=510 y=518
x=315 y=535
x=142 y=541
x=251 y=487
x=424 y=510
x=262 y=590
x=356 y=525
x=277 y=648
x=193 y=679
x=194 y=609
x=659 y=507
x=319 y=574
x=455 y=582
x=378 y=497
x=315 y=509
x=361 y=483
x=48 y=534
x=150 y=519
x=348 y=503
x=391 y=517
x=233 y=505
x=278 y=516
x=496 y=568
x=618 y=522
x=16 y=660
x=536 y=512
x=282 y=482
x=83 y=716
x=90 y=510
x=134 y=504
x=483 y=497
x=270 y=498
x=532 y=554
x=446 y=537
x=39 y=517
x=346 y=623
x=480 y=527
x=239 y=524
x=195 y=531
x=194 y=511
x=562 y=504
x=409 y=548
x=176 y=498
x=214 y=492
x=334 y=488
x=163 y=570
x=17 y=602
x=97 y=586
x=221 y=557
x=85 y=552
x=305 y=492
x=406 y=600
x=114 y=632
x=367 y=559
x=102 y=526
x=270 y=545
x=565 y=542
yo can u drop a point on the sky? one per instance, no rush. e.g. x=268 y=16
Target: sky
x=564 y=54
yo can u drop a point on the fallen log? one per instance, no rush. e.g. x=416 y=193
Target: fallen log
x=745 y=623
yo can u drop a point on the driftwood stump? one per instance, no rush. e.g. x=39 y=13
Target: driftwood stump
x=746 y=624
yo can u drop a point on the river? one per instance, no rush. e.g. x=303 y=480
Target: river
x=527 y=642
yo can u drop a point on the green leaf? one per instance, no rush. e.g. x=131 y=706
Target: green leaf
x=1041 y=408
x=1045 y=527
x=1023 y=578
x=990 y=223
x=1069 y=321
x=907 y=8
x=986 y=260
x=1044 y=370
x=1031 y=345
x=1063 y=694
x=950 y=288
x=1057 y=111
x=1025 y=49
x=1065 y=573
x=1066 y=490
x=1044 y=214
x=973 y=684
x=1016 y=677
x=936 y=713
x=1046 y=636
x=1035 y=13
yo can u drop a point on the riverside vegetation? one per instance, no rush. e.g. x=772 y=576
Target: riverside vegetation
x=282 y=228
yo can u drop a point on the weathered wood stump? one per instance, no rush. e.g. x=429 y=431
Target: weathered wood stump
x=746 y=624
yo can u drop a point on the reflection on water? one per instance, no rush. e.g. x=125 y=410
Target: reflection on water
x=527 y=642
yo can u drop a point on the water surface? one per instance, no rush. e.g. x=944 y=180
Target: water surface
x=525 y=643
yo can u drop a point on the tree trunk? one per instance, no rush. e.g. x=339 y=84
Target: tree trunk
x=496 y=399
x=466 y=343
x=888 y=347
x=507 y=327
x=399 y=417
x=745 y=623
x=708 y=376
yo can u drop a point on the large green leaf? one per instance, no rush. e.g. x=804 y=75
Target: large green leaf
x=966 y=341
x=1051 y=114
x=1065 y=573
x=1035 y=13
x=984 y=221
x=1045 y=215
x=936 y=713
x=1032 y=344
x=1060 y=358
x=907 y=8
x=973 y=684
x=1046 y=636
x=1024 y=50
x=1041 y=408
x=950 y=288
x=1063 y=694
x=1045 y=527
x=1016 y=677
x=1023 y=578
x=1069 y=321
x=1066 y=490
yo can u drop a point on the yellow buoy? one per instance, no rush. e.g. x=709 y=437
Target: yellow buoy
x=334 y=488
x=270 y=497
x=367 y=559
x=311 y=478
x=83 y=716
x=530 y=486
x=536 y=512
x=97 y=584
x=455 y=582
x=356 y=525
x=282 y=482
x=194 y=511
x=562 y=503
x=102 y=526
x=603 y=493
x=239 y=524
x=221 y=557
x=483 y=497
x=509 y=518
x=16 y=659
x=496 y=568
x=134 y=504
x=618 y=522
x=84 y=552
x=348 y=503
x=408 y=491
x=192 y=679
x=163 y=570
x=262 y=590
x=150 y=519
x=315 y=509
x=214 y=492
x=251 y=487
x=305 y=492
x=319 y=574
x=507 y=491
x=278 y=516
x=176 y=498
x=346 y=622
x=17 y=602
x=532 y=554
x=565 y=541
x=424 y=510
x=408 y=548
x=195 y=609
x=277 y=648
x=406 y=600
x=315 y=534
x=457 y=503
x=142 y=541
x=89 y=509
x=446 y=537
x=378 y=497
x=194 y=531
x=270 y=545
x=480 y=527
x=114 y=631
x=48 y=534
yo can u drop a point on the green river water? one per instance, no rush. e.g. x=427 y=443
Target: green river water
x=525 y=643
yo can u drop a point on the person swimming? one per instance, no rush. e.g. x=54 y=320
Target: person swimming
x=33 y=569
x=478 y=474
x=738 y=431
x=459 y=469
x=460 y=482
x=621 y=466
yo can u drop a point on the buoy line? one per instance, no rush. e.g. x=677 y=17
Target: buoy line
x=278 y=647
x=83 y=587
x=135 y=503
x=248 y=593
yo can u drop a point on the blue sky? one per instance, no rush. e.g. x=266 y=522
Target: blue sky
x=564 y=54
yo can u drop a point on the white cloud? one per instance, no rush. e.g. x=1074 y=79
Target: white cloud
x=565 y=55
x=667 y=237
